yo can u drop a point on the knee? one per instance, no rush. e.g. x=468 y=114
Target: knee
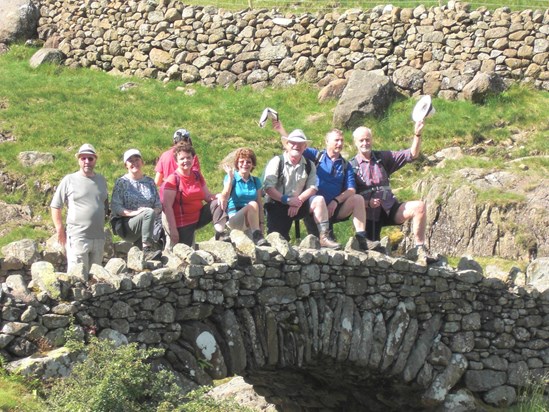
x=253 y=205
x=420 y=208
x=318 y=203
x=357 y=201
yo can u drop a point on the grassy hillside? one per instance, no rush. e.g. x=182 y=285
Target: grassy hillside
x=56 y=109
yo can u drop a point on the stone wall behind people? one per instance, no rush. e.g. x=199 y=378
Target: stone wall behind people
x=434 y=51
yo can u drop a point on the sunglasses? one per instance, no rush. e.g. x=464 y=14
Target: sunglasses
x=88 y=158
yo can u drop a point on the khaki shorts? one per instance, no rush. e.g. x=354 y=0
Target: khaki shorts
x=238 y=221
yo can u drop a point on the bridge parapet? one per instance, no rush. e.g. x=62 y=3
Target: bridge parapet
x=308 y=328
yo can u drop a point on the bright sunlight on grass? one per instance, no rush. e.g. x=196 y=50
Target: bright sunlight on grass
x=56 y=109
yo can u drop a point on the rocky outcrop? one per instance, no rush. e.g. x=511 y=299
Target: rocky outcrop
x=309 y=329
x=436 y=51
x=511 y=220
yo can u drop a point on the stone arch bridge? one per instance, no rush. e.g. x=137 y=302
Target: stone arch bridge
x=312 y=330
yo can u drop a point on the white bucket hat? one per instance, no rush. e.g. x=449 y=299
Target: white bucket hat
x=297 y=136
x=423 y=109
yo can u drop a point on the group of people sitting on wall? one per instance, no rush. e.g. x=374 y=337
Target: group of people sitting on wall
x=318 y=186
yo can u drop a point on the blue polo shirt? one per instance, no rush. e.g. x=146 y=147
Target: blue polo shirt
x=242 y=192
x=331 y=181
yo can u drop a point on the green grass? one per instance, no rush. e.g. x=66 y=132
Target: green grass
x=56 y=109
x=18 y=394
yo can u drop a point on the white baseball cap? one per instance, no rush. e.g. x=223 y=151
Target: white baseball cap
x=130 y=153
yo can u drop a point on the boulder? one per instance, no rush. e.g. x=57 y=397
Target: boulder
x=47 y=56
x=19 y=20
x=366 y=94
x=19 y=254
x=482 y=86
x=32 y=158
x=332 y=90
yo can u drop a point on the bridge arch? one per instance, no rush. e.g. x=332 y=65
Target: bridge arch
x=310 y=329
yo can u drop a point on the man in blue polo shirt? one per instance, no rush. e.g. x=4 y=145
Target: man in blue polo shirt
x=336 y=184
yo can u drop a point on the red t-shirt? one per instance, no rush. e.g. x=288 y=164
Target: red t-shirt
x=189 y=197
x=166 y=165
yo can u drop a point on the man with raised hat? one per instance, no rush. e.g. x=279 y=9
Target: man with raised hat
x=372 y=174
x=336 y=184
x=85 y=195
x=290 y=184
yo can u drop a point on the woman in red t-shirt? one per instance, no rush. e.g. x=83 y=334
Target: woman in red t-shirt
x=185 y=192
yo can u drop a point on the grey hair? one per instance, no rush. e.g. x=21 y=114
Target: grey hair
x=362 y=129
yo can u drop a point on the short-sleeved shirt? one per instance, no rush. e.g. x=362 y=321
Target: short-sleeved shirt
x=373 y=177
x=132 y=194
x=294 y=179
x=167 y=165
x=242 y=192
x=85 y=198
x=331 y=179
x=189 y=197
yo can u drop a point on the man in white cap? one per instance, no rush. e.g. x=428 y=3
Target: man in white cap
x=372 y=174
x=85 y=195
x=290 y=183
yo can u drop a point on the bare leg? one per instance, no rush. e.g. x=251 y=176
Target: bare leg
x=354 y=205
x=414 y=210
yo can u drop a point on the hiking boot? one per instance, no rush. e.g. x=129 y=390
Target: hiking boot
x=424 y=258
x=258 y=238
x=327 y=241
x=150 y=254
x=367 y=244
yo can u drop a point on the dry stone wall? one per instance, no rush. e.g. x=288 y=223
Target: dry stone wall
x=434 y=51
x=310 y=329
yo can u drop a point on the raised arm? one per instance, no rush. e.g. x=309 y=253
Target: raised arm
x=416 y=142
x=278 y=127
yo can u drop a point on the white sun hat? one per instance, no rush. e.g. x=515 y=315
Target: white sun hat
x=423 y=109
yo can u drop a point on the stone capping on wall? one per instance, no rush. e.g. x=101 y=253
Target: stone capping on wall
x=435 y=51
x=429 y=328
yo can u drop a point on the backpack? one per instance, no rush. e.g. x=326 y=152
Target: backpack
x=279 y=174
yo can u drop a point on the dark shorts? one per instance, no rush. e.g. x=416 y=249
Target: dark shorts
x=373 y=227
x=312 y=228
x=186 y=233
x=278 y=219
